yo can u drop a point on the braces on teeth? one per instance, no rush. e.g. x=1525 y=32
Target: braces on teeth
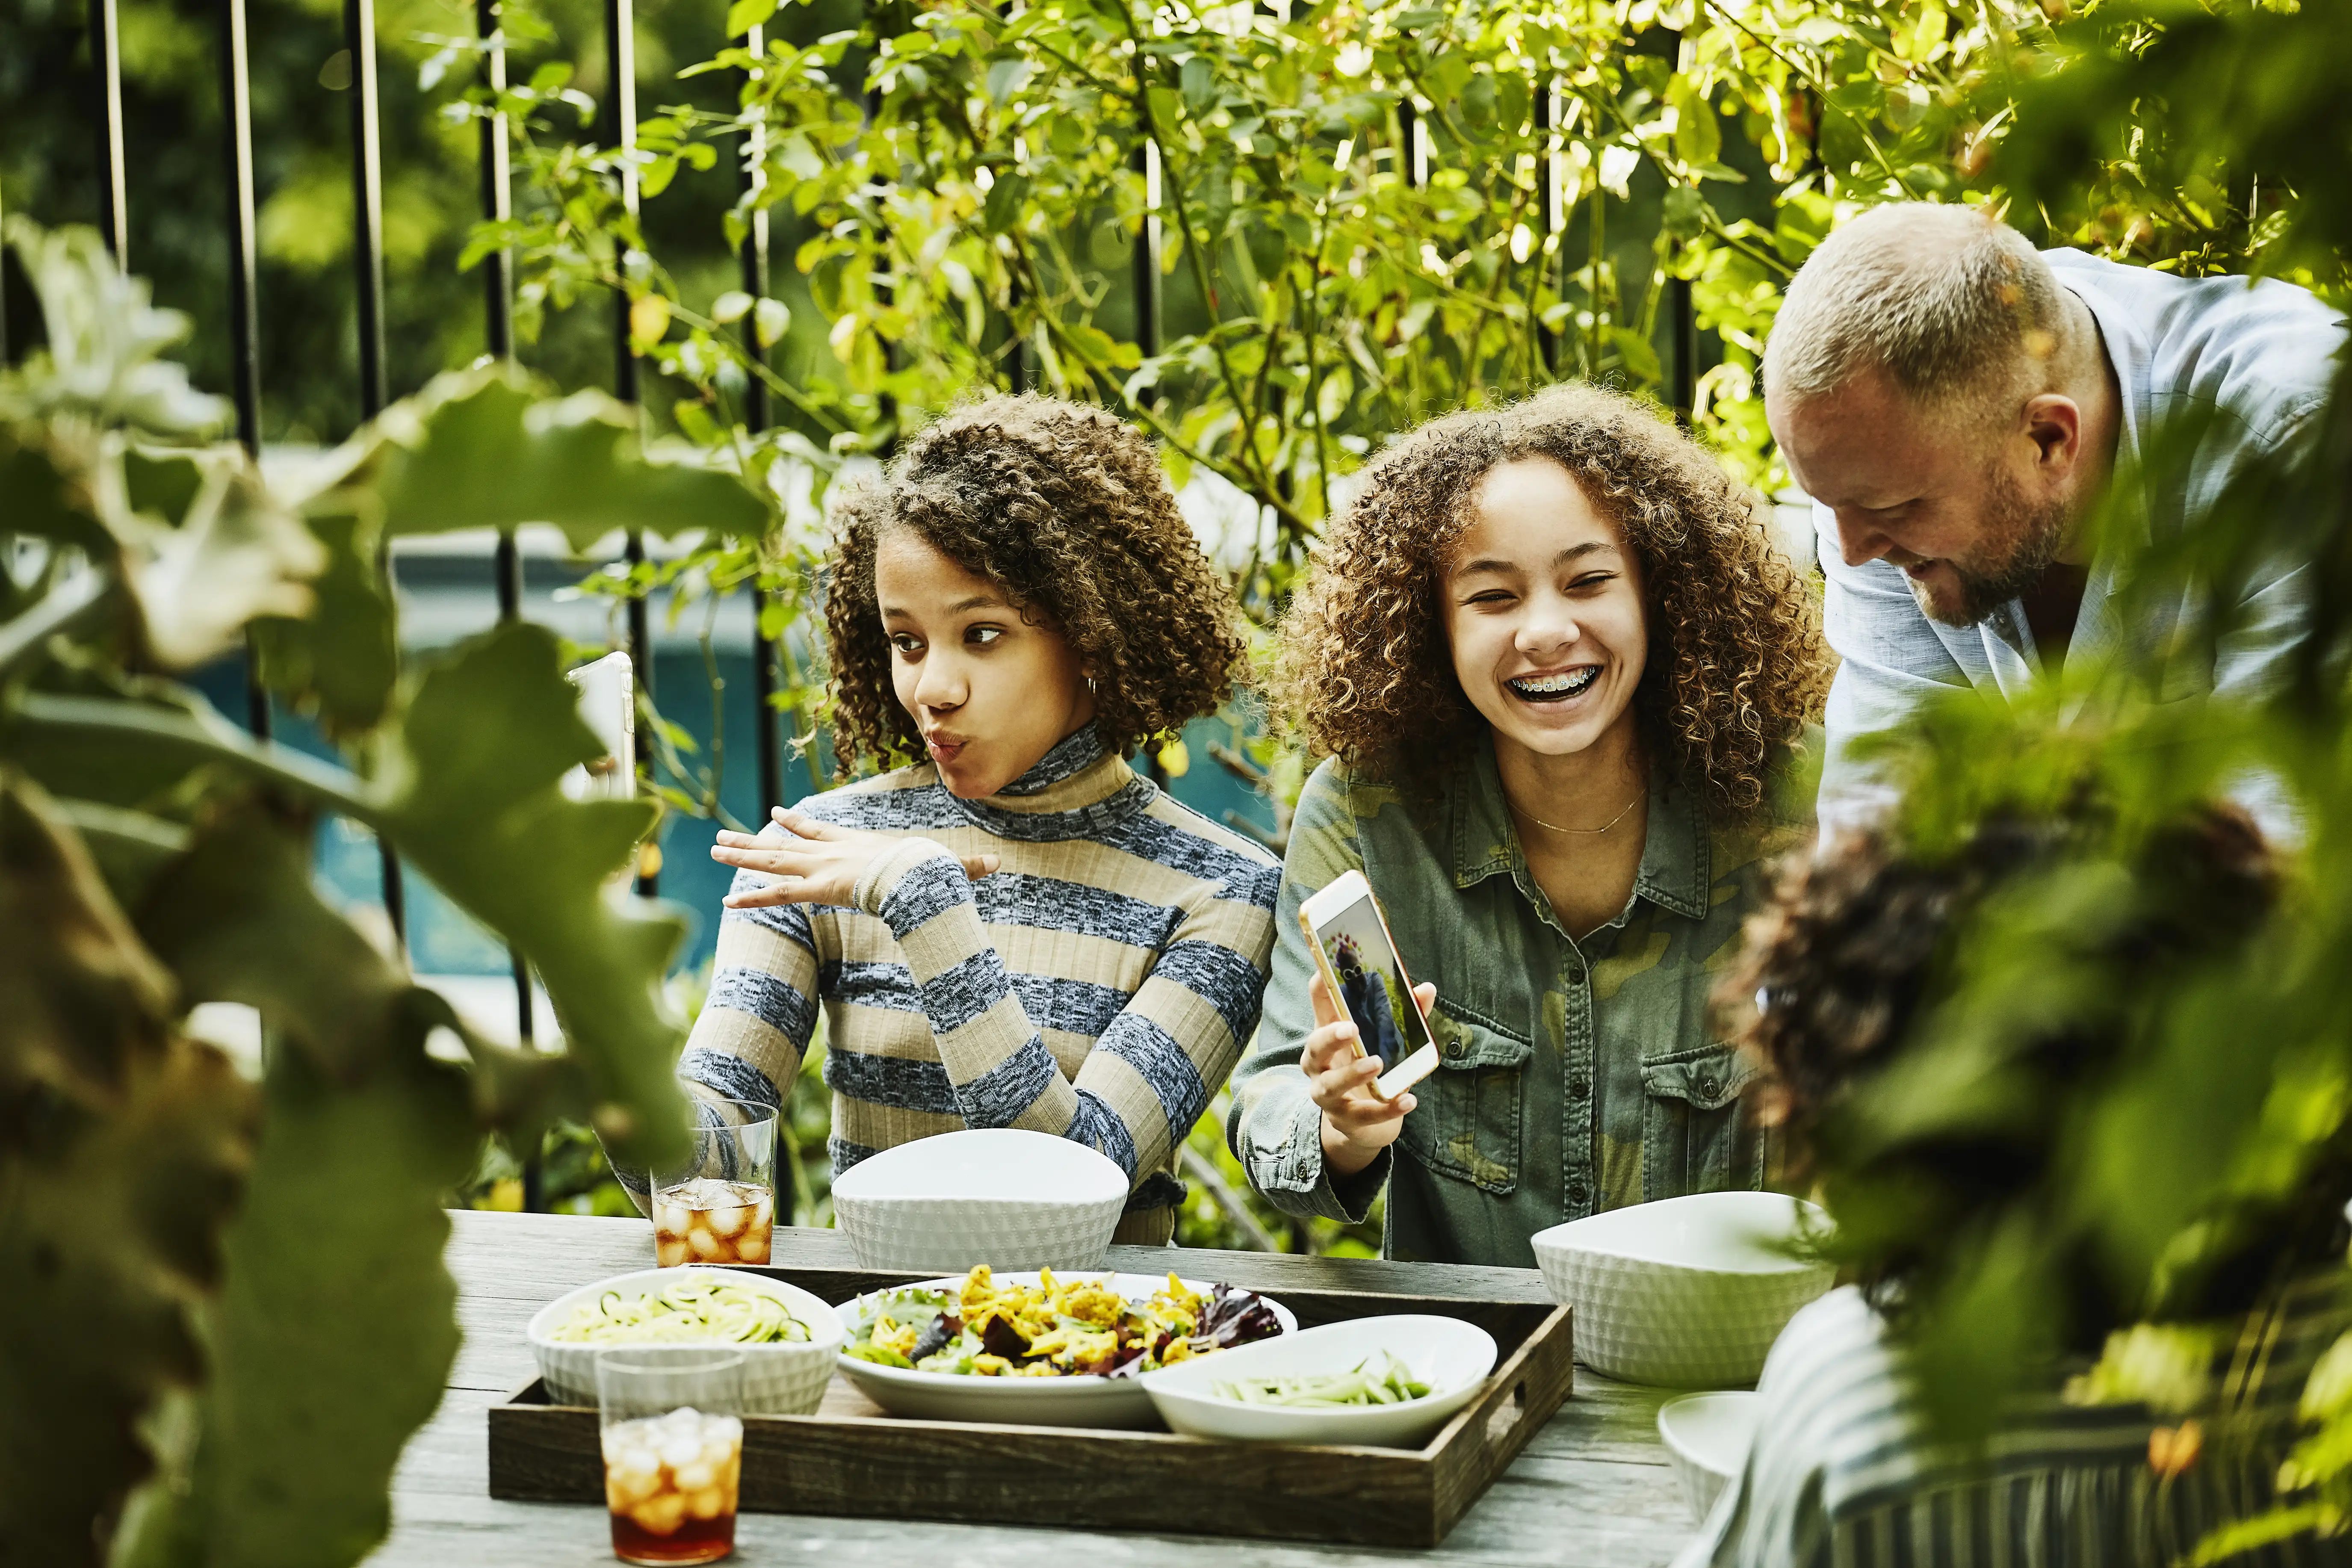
x=1557 y=685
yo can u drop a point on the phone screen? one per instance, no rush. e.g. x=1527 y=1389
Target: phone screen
x=1371 y=984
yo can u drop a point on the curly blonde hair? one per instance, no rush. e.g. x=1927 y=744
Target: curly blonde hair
x=1065 y=509
x=1736 y=663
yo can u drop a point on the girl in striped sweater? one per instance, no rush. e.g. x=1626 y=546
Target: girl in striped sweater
x=1013 y=929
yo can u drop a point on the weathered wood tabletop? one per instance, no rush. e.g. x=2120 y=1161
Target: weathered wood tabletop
x=1592 y=1487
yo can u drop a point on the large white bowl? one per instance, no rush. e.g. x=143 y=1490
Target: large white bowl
x=1708 y=1436
x=1685 y=1292
x=1011 y=1200
x=1451 y=1356
x=1112 y=1402
x=786 y=1379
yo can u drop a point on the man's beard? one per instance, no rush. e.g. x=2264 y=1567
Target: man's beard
x=2029 y=535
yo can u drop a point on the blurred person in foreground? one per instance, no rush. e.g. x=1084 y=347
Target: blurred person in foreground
x=1562 y=684
x=1944 y=1036
x=1957 y=404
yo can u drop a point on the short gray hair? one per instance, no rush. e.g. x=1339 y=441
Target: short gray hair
x=1946 y=301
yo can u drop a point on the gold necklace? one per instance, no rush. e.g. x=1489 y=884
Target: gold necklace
x=1604 y=828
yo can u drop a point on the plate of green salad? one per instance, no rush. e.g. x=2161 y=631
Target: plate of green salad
x=1385 y=1383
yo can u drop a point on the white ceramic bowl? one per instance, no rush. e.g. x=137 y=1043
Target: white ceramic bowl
x=786 y=1379
x=1011 y=1200
x=1112 y=1402
x=1708 y=1436
x=1685 y=1292
x=1451 y=1356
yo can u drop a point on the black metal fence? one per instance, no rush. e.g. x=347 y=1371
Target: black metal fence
x=617 y=126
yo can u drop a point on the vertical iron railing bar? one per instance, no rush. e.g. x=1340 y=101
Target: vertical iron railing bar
x=245 y=331
x=1016 y=375
x=497 y=268
x=367 y=262
x=1685 y=326
x=367 y=203
x=751 y=164
x=1144 y=276
x=619 y=125
x=113 y=186
x=884 y=291
x=1681 y=319
x=497 y=332
x=1145 y=257
x=1015 y=351
x=1548 y=169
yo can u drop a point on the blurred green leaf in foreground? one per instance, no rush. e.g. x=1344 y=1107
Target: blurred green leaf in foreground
x=2194 y=1170
x=229 y=1289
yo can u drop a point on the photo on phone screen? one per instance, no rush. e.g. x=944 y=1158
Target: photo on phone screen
x=1370 y=989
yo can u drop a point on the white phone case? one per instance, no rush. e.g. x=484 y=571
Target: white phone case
x=1343 y=892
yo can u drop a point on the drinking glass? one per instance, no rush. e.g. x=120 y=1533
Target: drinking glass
x=719 y=1205
x=673 y=1438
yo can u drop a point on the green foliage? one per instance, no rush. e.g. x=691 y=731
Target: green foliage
x=152 y=858
x=126 y=1146
x=961 y=188
x=2218 y=1146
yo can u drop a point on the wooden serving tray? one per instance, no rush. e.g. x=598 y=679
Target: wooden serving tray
x=851 y=1459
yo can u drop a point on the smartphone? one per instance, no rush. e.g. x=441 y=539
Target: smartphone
x=1350 y=940
x=608 y=704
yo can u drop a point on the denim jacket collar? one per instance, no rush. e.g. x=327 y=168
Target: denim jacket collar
x=1674 y=870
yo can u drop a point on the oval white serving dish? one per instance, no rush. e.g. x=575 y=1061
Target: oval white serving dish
x=1011 y=1199
x=1687 y=1292
x=1451 y=1356
x=1113 y=1402
x=1708 y=1436
x=786 y=1379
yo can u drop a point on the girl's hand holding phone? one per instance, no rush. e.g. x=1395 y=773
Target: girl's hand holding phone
x=1357 y=1122
x=816 y=862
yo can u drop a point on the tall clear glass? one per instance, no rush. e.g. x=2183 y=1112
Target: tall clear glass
x=672 y=1418
x=719 y=1207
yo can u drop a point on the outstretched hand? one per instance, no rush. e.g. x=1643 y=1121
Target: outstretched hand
x=816 y=862
x=1357 y=1122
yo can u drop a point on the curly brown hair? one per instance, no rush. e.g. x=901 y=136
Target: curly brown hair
x=1858 y=948
x=1065 y=509
x=1737 y=663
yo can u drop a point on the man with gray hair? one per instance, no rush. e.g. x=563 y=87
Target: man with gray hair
x=1955 y=403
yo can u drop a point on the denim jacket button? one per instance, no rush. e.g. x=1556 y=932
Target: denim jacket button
x=1580 y=1086
x=1578 y=1192
x=1454 y=1048
x=1707 y=1085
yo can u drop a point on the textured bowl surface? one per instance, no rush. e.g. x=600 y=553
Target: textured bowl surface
x=778 y=1379
x=1707 y=1436
x=1684 y=1293
x=1114 y=1402
x=1451 y=1356
x=1010 y=1199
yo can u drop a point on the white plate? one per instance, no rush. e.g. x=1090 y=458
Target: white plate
x=1114 y=1402
x=1451 y=1356
x=1708 y=1437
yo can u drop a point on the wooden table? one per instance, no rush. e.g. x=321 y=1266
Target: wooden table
x=1592 y=1487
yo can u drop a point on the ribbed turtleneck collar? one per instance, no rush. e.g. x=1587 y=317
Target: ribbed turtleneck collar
x=1078 y=789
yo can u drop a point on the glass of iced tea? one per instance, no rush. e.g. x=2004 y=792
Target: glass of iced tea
x=673 y=1427
x=720 y=1206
